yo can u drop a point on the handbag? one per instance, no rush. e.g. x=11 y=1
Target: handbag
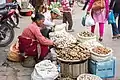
x=111 y=18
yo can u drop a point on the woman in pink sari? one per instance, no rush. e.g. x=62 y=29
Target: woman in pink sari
x=32 y=42
x=100 y=16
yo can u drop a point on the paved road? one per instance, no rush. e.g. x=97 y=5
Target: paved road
x=21 y=73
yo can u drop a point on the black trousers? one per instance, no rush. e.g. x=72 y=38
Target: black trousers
x=67 y=17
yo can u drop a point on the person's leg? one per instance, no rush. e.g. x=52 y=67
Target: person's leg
x=114 y=27
x=101 y=31
x=70 y=21
x=119 y=24
x=64 y=17
x=93 y=28
x=85 y=5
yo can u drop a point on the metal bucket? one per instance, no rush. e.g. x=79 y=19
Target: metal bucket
x=73 y=70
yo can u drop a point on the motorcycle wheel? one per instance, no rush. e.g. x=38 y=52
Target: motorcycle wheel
x=8 y=35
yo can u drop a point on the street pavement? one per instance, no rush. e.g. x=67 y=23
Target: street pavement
x=17 y=72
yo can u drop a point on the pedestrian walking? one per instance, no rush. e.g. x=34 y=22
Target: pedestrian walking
x=67 y=16
x=85 y=5
x=99 y=11
x=115 y=6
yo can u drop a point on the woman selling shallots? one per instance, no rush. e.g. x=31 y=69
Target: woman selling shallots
x=32 y=42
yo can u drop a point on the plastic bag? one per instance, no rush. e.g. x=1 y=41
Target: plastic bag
x=44 y=70
x=83 y=20
x=88 y=21
x=111 y=18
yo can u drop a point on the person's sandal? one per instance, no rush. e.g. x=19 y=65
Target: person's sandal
x=100 y=39
x=71 y=30
x=116 y=36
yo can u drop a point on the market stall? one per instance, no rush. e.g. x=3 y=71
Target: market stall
x=81 y=57
x=82 y=54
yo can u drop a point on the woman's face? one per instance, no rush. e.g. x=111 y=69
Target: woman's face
x=54 y=16
x=40 y=23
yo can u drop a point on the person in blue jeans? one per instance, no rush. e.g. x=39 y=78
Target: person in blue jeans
x=115 y=6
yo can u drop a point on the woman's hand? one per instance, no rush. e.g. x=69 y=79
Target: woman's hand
x=88 y=12
x=54 y=44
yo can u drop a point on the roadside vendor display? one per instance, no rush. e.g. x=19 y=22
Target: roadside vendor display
x=101 y=53
x=75 y=53
x=91 y=44
x=88 y=77
x=85 y=36
x=73 y=60
x=61 y=37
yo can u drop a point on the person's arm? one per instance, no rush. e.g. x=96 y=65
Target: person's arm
x=90 y=5
x=40 y=37
x=107 y=7
x=48 y=23
x=112 y=3
x=86 y=3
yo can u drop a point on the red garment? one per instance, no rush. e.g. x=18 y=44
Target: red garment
x=29 y=47
x=33 y=32
x=29 y=40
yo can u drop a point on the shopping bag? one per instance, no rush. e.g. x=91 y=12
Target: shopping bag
x=88 y=21
x=111 y=18
x=83 y=20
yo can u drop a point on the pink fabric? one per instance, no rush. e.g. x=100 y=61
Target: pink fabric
x=29 y=47
x=33 y=32
x=66 y=6
x=99 y=16
x=101 y=29
x=93 y=28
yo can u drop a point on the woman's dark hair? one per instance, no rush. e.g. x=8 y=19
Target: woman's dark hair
x=37 y=16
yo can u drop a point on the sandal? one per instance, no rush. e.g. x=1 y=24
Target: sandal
x=116 y=36
x=100 y=39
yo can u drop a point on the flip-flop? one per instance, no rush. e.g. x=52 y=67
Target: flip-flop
x=118 y=37
x=100 y=39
